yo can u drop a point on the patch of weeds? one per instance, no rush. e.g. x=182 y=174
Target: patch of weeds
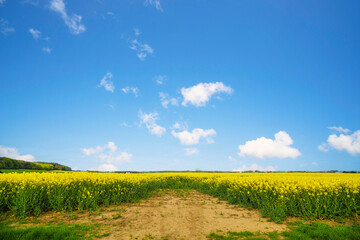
x=103 y=217
x=318 y=230
x=116 y=216
x=148 y=236
x=66 y=232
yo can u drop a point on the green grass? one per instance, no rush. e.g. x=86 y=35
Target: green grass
x=323 y=231
x=299 y=231
x=59 y=232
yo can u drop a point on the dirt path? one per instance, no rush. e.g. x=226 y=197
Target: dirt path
x=172 y=215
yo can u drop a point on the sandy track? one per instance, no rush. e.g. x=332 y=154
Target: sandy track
x=172 y=215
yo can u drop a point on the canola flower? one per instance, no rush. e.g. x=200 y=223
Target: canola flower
x=277 y=195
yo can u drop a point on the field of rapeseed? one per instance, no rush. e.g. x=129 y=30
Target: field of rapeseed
x=276 y=195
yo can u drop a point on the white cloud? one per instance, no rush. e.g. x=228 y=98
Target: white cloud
x=315 y=163
x=323 y=147
x=14 y=153
x=194 y=137
x=142 y=49
x=166 y=100
x=268 y=148
x=131 y=89
x=35 y=33
x=201 y=93
x=109 y=154
x=255 y=167
x=137 y=32
x=4 y=28
x=160 y=79
x=179 y=126
x=2 y=2
x=150 y=122
x=346 y=142
x=231 y=158
x=107 y=83
x=46 y=49
x=191 y=151
x=73 y=21
x=154 y=3
x=106 y=168
x=339 y=129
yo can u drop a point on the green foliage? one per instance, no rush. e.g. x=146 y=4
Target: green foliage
x=9 y=163
x=323 y=231
x=60 y=232
x=299 y=231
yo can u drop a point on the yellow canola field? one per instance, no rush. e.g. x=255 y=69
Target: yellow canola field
x=277 y=195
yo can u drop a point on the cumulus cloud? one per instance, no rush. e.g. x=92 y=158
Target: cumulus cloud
x=73 y=21
x=201 y=93
x=268 y=148
x=14 y=153
x=339 y=129
x=343 y=142
x=143 y=50
x=134 y=90
x=160 y=79
x=35 y=33
x=191 y=151
x=107 y=83
x=194 y=137
x=4 y=27
x=46 y=49
x=166 y=100
x=109 y=154
x=154 y=3
x=150 y=122
x=255 y=167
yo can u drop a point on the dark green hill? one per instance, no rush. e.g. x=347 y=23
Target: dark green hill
x=9 y=163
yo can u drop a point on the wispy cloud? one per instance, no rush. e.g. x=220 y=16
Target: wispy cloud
x=154 y=3
x=160 y=79
x=149 y=119
x=166 y=100
x=14 y=153
x=47 y=50
x=201 y=93
x=35 y=33
x=73 y=21
x=194 y=137
x=142 y=49
x=107 y=83
x=2 y=2
x=339 y=129
x=255 y=167
x=137 y=32
x=267 y=148
x=191 y=151
x=109 y=154
x=4 y=27
x=134 y=90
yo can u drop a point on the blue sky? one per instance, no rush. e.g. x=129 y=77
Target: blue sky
x=181 y=85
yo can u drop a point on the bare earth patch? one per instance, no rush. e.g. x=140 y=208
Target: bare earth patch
x=172 y=214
